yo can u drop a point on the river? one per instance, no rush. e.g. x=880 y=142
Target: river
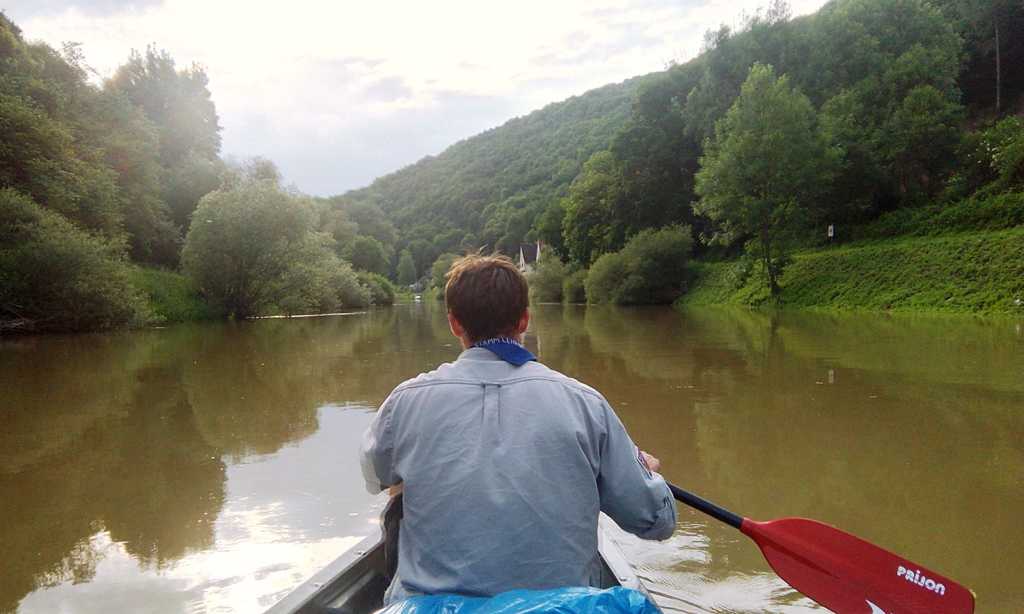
x=211 y=467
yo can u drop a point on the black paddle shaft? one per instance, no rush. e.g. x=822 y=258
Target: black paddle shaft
x=709 y=508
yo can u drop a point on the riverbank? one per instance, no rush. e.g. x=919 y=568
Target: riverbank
x=172 y=297
x=981 y=272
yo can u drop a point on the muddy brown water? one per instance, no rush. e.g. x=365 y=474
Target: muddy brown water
x=211 y=467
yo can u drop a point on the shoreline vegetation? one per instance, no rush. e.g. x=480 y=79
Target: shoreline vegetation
x=897 y=124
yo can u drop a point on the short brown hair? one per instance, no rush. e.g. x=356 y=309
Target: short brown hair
x=487 y=295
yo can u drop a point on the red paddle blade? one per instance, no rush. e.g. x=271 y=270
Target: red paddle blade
x=848 y=575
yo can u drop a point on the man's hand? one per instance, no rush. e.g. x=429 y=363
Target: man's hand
x=652 y=463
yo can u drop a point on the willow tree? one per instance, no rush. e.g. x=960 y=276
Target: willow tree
x=765 y=169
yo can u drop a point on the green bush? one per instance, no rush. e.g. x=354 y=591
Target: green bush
x=650 y=269
x=319 y=281
x=172 y=296
x=348 y=291
x=56 y=276
x=992 y=159
x=573 y=289
x=604 y=281
x=253 y=249
x=381 y=291
x=546 y=280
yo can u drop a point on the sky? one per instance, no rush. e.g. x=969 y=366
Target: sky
x=338 y=93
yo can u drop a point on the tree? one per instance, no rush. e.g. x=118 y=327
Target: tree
x=439 y=270
x=656 y=158
x=423 y=253
x=406 y=269
x=593 y=196
x=921 y=134
x=372 y=221
x=762 y=173
x=369 y=254
x=254 y=245
x=335 y=222
x=548 y=226
x=986 y=24
x=177 y=101
x=179 y=105
x=891 y=51
x=131 y=147
x=48 y=154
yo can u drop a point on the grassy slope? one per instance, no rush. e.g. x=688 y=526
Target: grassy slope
x=979 y=272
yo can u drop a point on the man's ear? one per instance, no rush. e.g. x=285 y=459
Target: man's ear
x=455 y=326
x=524 y=322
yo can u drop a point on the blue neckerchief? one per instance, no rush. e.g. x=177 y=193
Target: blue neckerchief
x=507 y=349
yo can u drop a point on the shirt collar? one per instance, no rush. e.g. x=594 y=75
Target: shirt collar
x=507 y=349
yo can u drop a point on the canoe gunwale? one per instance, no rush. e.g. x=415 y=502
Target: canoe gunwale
x=340 y=575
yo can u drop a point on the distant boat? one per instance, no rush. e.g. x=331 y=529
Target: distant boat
x=355 y=582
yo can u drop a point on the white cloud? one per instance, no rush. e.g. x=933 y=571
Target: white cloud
x=338 y=93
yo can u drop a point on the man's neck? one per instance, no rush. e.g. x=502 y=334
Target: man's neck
x=517 y=340
x=468 y=343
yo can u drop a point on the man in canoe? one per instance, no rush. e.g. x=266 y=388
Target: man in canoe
x=503 y=462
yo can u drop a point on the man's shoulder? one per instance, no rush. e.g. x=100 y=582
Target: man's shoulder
x=540 y=371
x=531 y=372
x=439 y=374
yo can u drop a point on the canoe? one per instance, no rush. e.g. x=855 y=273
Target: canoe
x=355 y=582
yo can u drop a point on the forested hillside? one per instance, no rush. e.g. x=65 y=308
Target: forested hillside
x=90 y=176
x=903 y=97
x=491 y=188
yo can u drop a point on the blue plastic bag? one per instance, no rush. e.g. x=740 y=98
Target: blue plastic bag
x=584 y=600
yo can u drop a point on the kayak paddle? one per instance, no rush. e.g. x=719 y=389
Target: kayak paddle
x=840 y=571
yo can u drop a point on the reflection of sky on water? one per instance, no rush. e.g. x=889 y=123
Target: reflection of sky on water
x=677 y=574
x=285 y=517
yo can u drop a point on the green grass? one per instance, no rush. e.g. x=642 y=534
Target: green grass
x=981 y=272
x=172 y=296
x=978 y=213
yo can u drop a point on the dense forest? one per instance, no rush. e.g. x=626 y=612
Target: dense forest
x=874 y=118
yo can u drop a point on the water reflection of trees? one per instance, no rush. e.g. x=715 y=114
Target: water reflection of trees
x=255 y=386
x=110 y=469
x=903 y=430
x=126 y=433
x=861 y=421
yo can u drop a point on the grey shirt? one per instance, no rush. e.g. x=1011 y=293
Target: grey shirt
x=505 y=470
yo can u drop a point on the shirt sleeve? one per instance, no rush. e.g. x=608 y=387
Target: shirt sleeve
x=636 y=498
x=376 y=454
